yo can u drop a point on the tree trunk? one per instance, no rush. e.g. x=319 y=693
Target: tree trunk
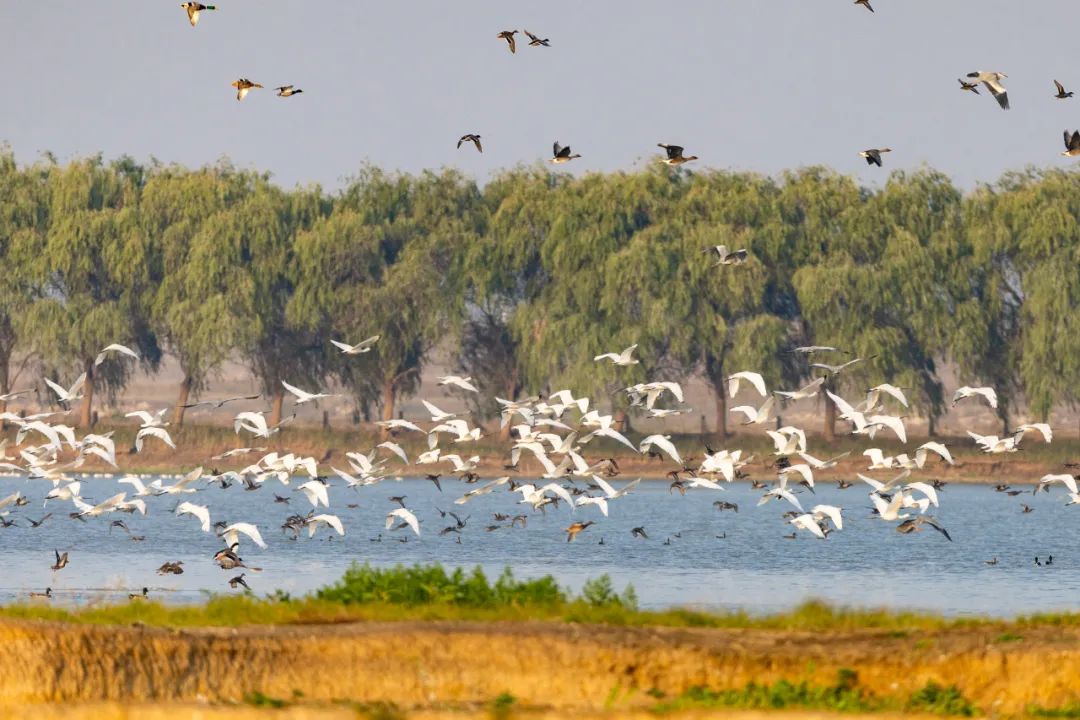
x=389 y=400
x=276 y=404
x=5 y=385
x=829 y=431
x=86 y=416
x=931 y=425
x=181 y=401
x=721 y=410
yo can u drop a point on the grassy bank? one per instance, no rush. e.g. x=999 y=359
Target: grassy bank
x=198 y=444
x=390 y=642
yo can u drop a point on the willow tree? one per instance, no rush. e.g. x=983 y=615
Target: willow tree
x=1025 y=235
x=90 y=276
x=204 y=306
x=385 y=262
x=581 y=312
x=23 y=221
x=264 y=230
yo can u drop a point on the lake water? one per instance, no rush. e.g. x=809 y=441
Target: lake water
x=754 y=567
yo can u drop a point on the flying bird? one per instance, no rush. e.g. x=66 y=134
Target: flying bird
x=992 y=82
x=61 y=560
x=508 y=36
x=357 y=349
x=473 y=138
x=193 y=10
x=534 y=41
x=865 y=4
x=243 y=87
x=562 y=154
x=969 y=87
x=675 y=155
x=623 y=359
x=873 y=155
x=288 y=91
x=1061 y=94
x=1072 y=144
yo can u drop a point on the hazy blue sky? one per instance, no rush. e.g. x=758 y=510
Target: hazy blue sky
x=746 y=84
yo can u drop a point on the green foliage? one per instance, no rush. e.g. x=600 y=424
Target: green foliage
x=431 y=584
x=532 y=275
x=845 y=695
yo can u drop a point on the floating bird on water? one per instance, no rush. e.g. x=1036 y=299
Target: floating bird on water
x=140 y=595
x=675 y=155
x=47 y=594
x=873 y=155
x=171 y=568
x=508 y=36
x=991 y=562
x=193 y=10
x=992 y=82
x=1061 y=94
x=562 y=154
x=243 y=87
x=473 y=138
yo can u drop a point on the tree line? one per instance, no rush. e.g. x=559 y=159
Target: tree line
x=534 y=273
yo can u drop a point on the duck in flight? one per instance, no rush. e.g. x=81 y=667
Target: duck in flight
x=1061 y=94
x=675 y=155
x=508 y=36
x=1072 y=144
x=474 y=139
x=61 y=560
x=992 y=81
x=534 y=41
x=288 y=91
x=969 y=87
x=562 y=154
x=873 y=155
x=865 y=4
x=243 y=87
x=193 y=10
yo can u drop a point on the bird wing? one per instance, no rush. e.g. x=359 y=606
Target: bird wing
x=875 y=484
x=199 y=511
x=435 y=412
x=61 y=393
x=998 y=91
x=332 y=520
x=558 y=490
x=926 y=489
x=803 y=469
x=807 y=522
x=1060 y=87
x=989 y=394
x=230 y=534
x=893 y=423
x=343 y=346
x=406 y=516
x=832 y=512
x=753 y=378
x=894 y=392
x=114 y=347
x=300 y=394
x=615 y=435
x=1043 y=428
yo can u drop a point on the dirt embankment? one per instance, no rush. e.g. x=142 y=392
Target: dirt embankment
x=544 y=665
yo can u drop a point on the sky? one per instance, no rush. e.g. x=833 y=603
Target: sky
x=760 y=85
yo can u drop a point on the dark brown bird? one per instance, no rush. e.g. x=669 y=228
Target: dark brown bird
x=61 y=561
x=473 y=138
x=239 y=581
x=639 y=532
x=534 y=41
x=865 y=4
x=140 y=595
x=1061 y=94
x=675 y=155
x=508 y=36
x=399 y=499
x=171 y=568
x=969 y=87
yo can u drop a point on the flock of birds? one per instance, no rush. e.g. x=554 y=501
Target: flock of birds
x=674 y=154
x=554 y=433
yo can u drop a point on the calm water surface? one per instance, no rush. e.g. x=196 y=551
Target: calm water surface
x=753 y=567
